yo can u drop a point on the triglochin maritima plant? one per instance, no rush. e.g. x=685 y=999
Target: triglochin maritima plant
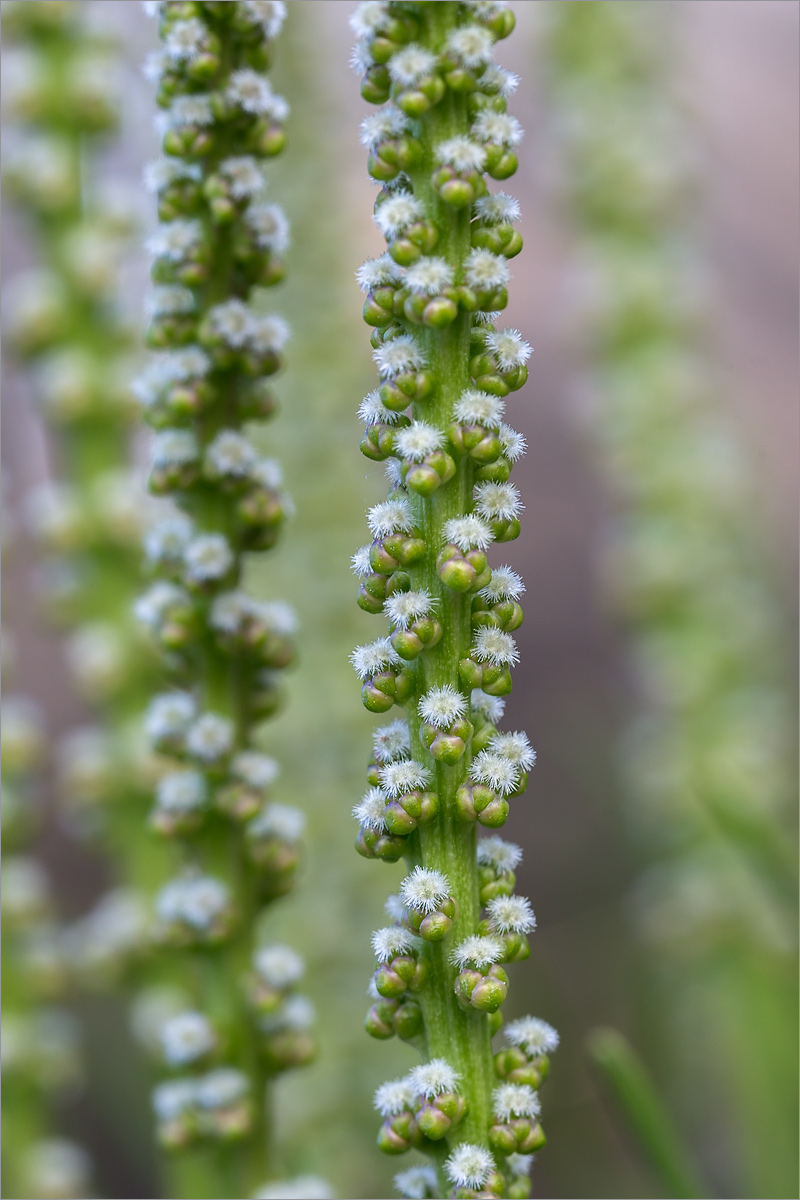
x=443 y=769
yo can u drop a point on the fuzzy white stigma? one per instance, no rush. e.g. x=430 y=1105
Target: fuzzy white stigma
x=390 y=516
x=500 y=855
x=471 y=45
x=417 y=440
x=497 y=209
x=416 y=1183
x=243 y=174
x=429 y=276
x=182 y=791
x=532 y=1035
x=433 y=1078
x=508 y=347
x=373 y=657
x=391 y=742
x=394 y=908
x=495 y=646
x=469 y=1166
x=495 y=772
x=489 y=707
x=210 y=737
x=269 y=333
x=252 y=92
x=394 y=1097
x=497 y=501
x=391 y=941
x=170 y=714
x=468 y=533
x=477 y=951
x=398 y=356
x=425 y=890
x=269 y=227
x=498 y=128
x=359 y=562
x=269 y=14
x=231 y=455
x=278 y=965
x=208 y=557
x=515 y=747
x=519 y=1165
x=461 y=154
x=378 y=272
x=389 y=122
x=279 y=821
x=505 y=584
x=403 y=608
x=194 y=109
x=511 y=914
x=485 y=270
x=197 y=901
x=373 y=411
x=256 y=770
x=231 y=321
x=371 y=810
x=498 y=79
x=479 y=408
x=174 y=447
x=511 y=1100
x=410 y=65
x=397 y=778
x=442 y=706
x=394 y=216
x=187 y=1037
x=513 y=443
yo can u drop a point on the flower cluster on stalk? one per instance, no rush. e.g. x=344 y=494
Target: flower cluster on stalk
x=217 y=346
x=440 y=288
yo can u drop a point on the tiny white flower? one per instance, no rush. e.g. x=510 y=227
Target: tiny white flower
x=519 y=1165
x=471 y=45
x=197 y=901
x=360 y=57
x=390 y=516
x=230 y=610
x=498 y=128
x=369 y=18
x=394 y=908
x=269 y=227
x=425 y=890
x=496 y=646
x=296 y=1012
x=372 y=411
x=511 y=1100
x=389 y=122
x=499 y=854
x=184 y=39
x=429 y=276
x=508 y=347
x=169 y=715
x=175 y=240
x=392 y=941
x=163 y=171
x=495 y=772
x=516 y=747
x=486 y=270
x=513 y=443
x=478 y=951
x=267 y=472
x=278 y=965
x=252 y=92
x=280 y=821
x=230 y=455
x=433 y=1078
x=182 y=792
x=371 y=810
x=210 y=737
x=497 y=209
x=441 y=706
x=373 y=657
x=469 y=1166
x=397 y=778
x=187 y=1037
x=151 y=607
x=188 y=363
x=505 y=584
x=417 y=440
x=194 y=109
x=232 y=321
x=398 y=356
x=222 y=1088
x=243 y=174
x=173 y=1099
x=301 y=1187
x=498 y=79
x=255 y=769
x=403 y=608
x=511 y=914
x=360 y=563
x=394 y=1097
x=165 y=301
x=479 y=408
x=396 y=214
x=468 y=533
x=208 y=557
x=416 y=1183
x=269 y=14
x=57 y=1167
x=461 y=154
x=411 y=64
x=393 y=470
x=532 y=1035
x=497 y=501
x=155 y=63
x=378 y=272
x=391 y=742
x=269 y=333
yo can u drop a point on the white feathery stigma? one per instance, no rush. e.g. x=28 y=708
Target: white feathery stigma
x=391 y=742
x=500 y=855
x=495 y=772
x=510 y=1100
x=378 y=272
x=508 y=347
x=404 y=608
x=433 y=1078
x=255 y=769
x=392 y=941
x=461 y=154
x=505 y=584
x=410 y=65
x=491 y=708
x=253 y=93
x=359 y=562
x=371 y=810
x=369 y=17
x=495 y=646
x=469 y=1166
x=373 y=657
x=478 y=951
x=429 y=276
x=269 y=333
x=513 y=443
x=269 y=227
x=208 y=557
x=396 y=214
x=232 y=321
x=416 y=1183
x=519 y=1165
x=194 y=109
x=372 y=411
x=471 y=45
x=479 y=408
x=532 y=1035
x=417 y=440
x=441 y=706
x=498 y=128
x=243 y=175
x=278 y=965
x=390 y=516
x=515 y=747
x=399 y=355
x=486 y=271
x=394 y=1097
x=394 y=908
x=269 y=14
x=184 y=39
x=280 y=821
x=398 y=778
x=498 y=79
x=174 y=240
x=210 y=737
x=230 y=454
x=497 y=209
x=425 y=890
x=468 y=533
x=511 y=914
x=389 y=122
x=497 y=501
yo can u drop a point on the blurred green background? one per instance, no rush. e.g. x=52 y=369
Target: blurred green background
x=696 y=1010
